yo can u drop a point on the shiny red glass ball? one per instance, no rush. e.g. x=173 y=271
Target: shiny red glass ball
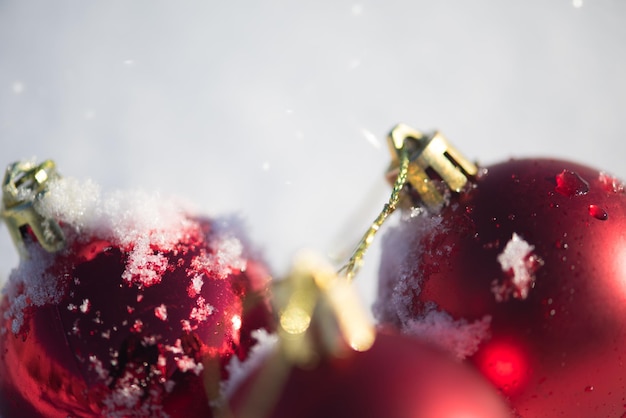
x=104 y=329
x=536 y=249
x=397 y=377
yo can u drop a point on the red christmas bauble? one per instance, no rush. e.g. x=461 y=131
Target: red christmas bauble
x=533 y=257
x=397 y=377
x=129 y=319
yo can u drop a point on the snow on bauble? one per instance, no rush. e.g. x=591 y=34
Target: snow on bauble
x=137 y=315
x=529 y=262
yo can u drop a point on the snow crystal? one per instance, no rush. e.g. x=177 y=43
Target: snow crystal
x=135 y=220
x=459 y=337
x=98 y=319
x=31 y=285
x=161 y=361
x=177 y=348
x=71 y=201
x=200 y=312
x=401 y=271
x=186 y=325
x=129 y=398
x=229 y=253
x=97 y=366
x=227 y=257
x=236 y=320
x=186 y=363
x=239 y=370
x=519 y=263
x=75 y=328
x=161 y=312
x=610 y=183
x=137 y=326
x=122 y=217
x=127 y=393
x=144 y=267
x=84 y=307
x=195 y=286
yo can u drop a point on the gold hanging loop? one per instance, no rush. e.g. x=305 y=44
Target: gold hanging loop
x=415 y=158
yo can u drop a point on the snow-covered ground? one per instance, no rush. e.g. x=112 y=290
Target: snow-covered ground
x=279 y=110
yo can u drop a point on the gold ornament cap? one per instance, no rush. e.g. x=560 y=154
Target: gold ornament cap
x=314 y=295
x=24 y=183
x=320 y=317
x=431 y=157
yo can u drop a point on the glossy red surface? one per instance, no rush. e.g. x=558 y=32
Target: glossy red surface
x=112 y=347
x=559 y=349
x=398 y=377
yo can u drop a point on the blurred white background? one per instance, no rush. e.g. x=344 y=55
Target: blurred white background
x=278 y=110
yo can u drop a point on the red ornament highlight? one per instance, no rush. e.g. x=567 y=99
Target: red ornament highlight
x=504 y=364
x=397 y=377
x=537 y=249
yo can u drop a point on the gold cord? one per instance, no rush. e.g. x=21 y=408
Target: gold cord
x=351 y=268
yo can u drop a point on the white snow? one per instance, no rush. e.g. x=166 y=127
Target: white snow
x=227 y=258
x=239 y=370
x=136 y=220
x=144 y=267
x=97 y=366
x=236 y=321
x=137 y=326
x=519 y=263
x=200 y=312
x=401 y=272
x=611 y=183
x=29 y=284
x=459 y=337
x=85 y=306
x=186 y=325
x=161 y=312
x=186 y=364
x=128 y=398
x=177 y=348
x=124 y=217
x=195 y=286
x=401 y=277
x=145 y=225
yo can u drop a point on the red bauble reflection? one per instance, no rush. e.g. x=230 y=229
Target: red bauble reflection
x=505 y=364
x=539 y=246
x=116 y=331
x=397 y=377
